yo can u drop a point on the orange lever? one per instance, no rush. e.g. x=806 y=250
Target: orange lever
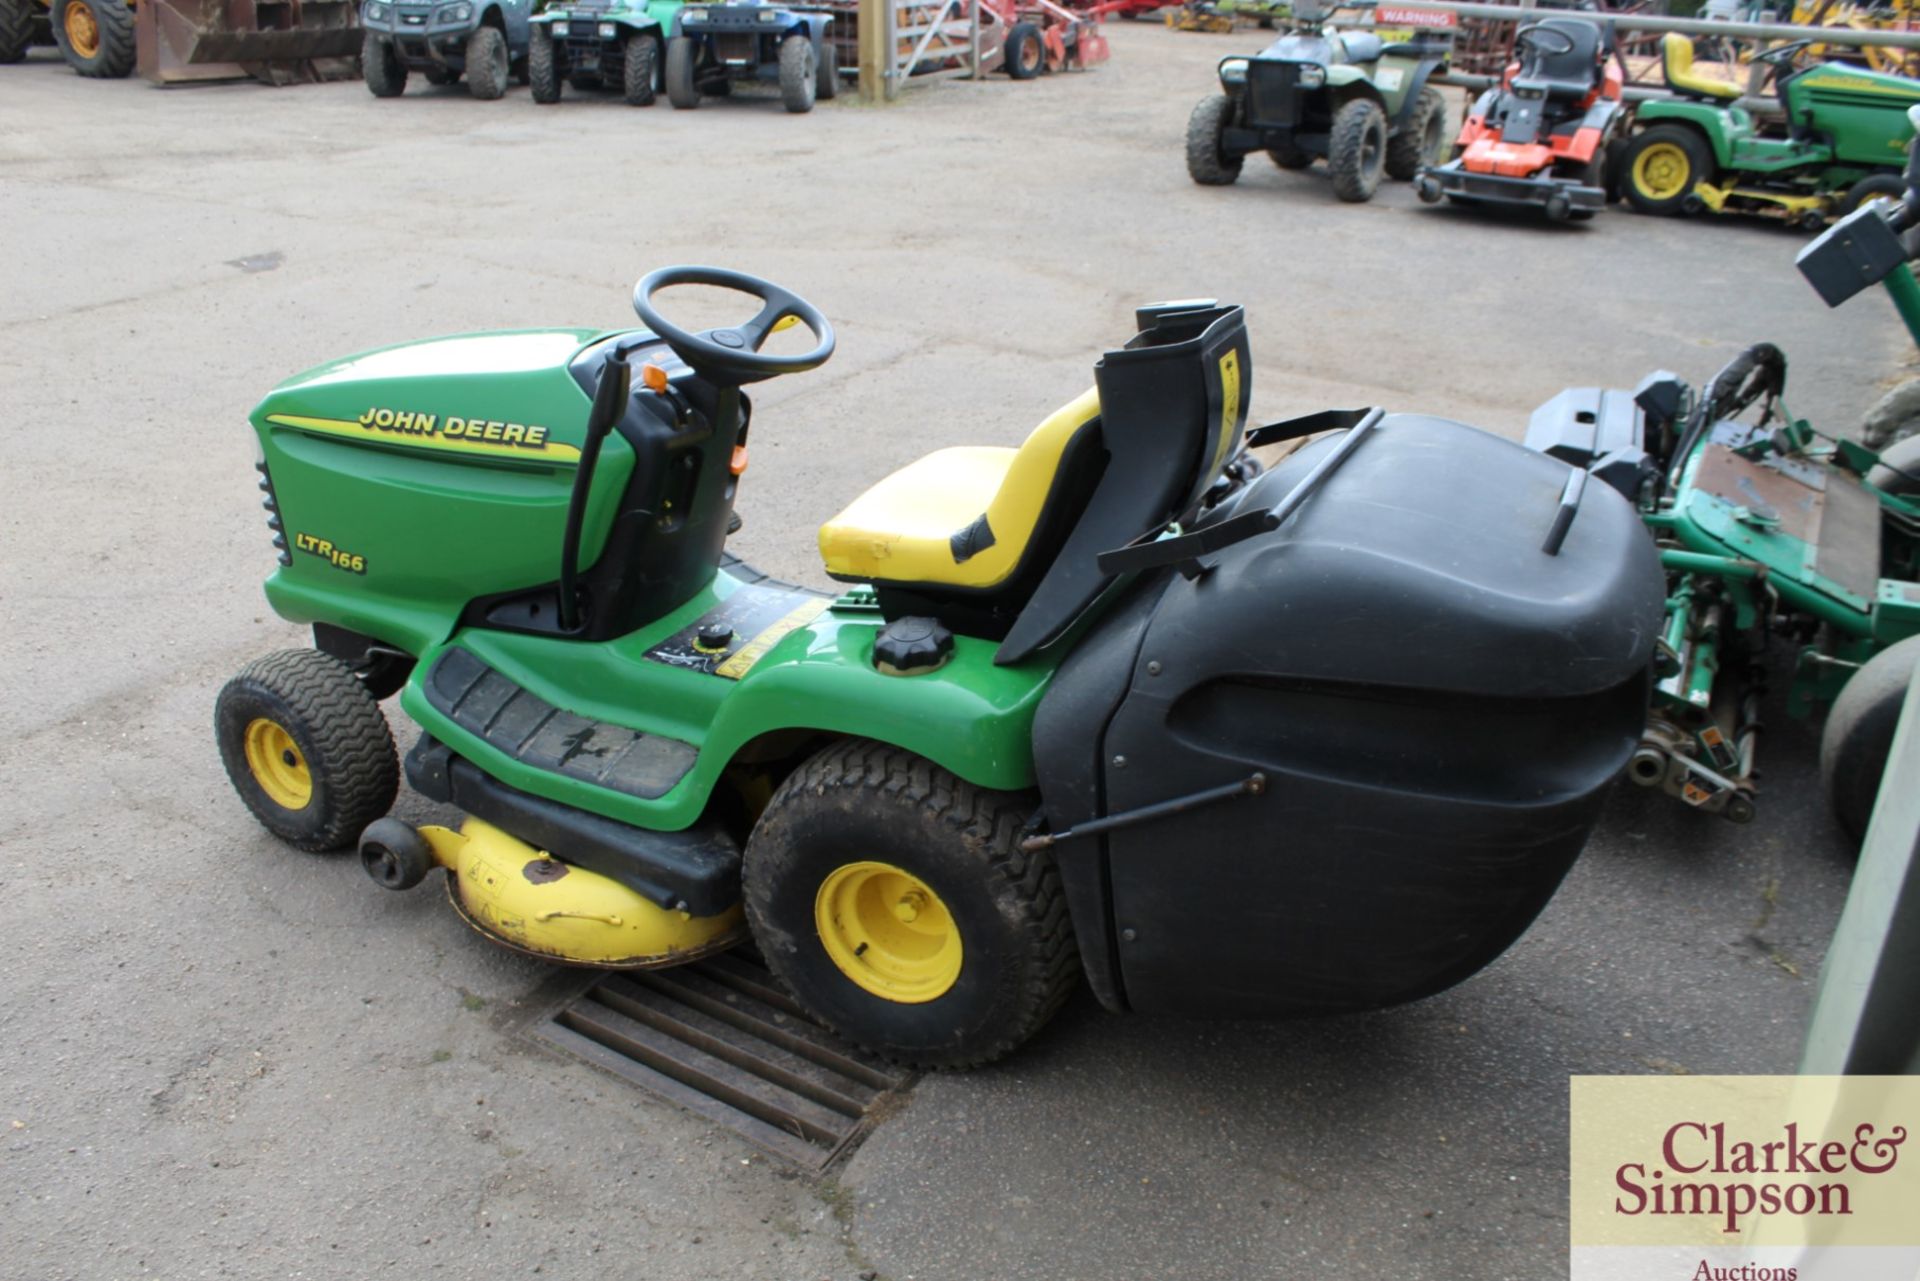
x=739 y=463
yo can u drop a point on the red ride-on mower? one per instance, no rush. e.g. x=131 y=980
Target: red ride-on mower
x=1541 y=137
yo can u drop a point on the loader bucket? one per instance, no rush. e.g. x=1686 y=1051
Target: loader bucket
x=275 y=41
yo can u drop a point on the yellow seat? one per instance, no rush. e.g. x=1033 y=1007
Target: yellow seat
x=962 y=517
x=1676 y=59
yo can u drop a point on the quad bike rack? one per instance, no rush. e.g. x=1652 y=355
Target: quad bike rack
x=277 y=42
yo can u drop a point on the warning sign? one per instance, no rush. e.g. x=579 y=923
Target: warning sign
x=1430 y=19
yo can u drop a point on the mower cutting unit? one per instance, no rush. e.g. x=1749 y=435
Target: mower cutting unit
x=1840 y=142
x=716 y=46
x=1768 y=529
x=483 y=40
x=592 y=44
x=1364 y=106
x=1541 y=136
x=1113 y=701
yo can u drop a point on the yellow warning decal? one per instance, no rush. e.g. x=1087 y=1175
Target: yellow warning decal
x=486 y=436
x=754 y=650
x=1229 y=407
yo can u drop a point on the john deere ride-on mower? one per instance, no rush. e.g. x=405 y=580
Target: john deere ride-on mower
x=1363 y=106
x=1840 y=141
x=1541 y=136
x=1768 y=530
x=594 y=44
x=1322 y=738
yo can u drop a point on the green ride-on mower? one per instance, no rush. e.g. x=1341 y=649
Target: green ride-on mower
x=719 y=45
x=1769 y=530
x=1113 y=702
x=1364 y=107
x=593 y=44
x=1841 y=141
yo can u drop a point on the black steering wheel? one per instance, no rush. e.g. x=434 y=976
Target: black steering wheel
x=1782 y=54
x=1531 y=36
x=732 y=356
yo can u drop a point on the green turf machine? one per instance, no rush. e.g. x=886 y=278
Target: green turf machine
x=1113 y=701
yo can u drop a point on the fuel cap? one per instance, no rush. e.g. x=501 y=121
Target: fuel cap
x=912 y=645
x=713 y=637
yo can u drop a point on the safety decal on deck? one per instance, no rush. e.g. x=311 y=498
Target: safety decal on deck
x=731 y=637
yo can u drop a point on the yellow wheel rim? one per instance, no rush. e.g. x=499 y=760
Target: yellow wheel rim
x=277 y=765
x=83 y=32
x=888 y=932
x=1662 y=171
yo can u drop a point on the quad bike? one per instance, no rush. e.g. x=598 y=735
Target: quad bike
x=482 y=41
x=1113 y=702
x=1364 y=106
x=716 y=45
x=594 y=44
x=1841 y=142
x=1540 y=137
x=1769 y=529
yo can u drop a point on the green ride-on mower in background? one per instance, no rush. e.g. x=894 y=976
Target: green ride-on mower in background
x=718 y=45
x=1841 y=141
x=1364 y=107
x=1769 y=529
x=1113 y=702
x=593 y=44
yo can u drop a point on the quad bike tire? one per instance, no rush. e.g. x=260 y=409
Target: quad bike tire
x=895 y=903
x=640 y=73
x=1289 y=157
x=1206 y=163
x=1662 y=165
x=799 y=74
x=1423 y=139
x=683 y=91
x=827 y=84
x=543 y=66
x=487 y=70
x=1858 y=736
x=1357 y=150
x=95 y=36
x=380 y=63
x=306 y=746
x=1025 y=53
x=16 y=30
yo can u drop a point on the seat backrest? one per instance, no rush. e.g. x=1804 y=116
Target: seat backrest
x=1676 y=63
x=1564 y=74
x=1173 y=408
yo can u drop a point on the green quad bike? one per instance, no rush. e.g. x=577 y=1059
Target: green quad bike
x=1364 y=107
x=591 y=44
x=1841 y=142
x=1768 y=529
x=1113 y=702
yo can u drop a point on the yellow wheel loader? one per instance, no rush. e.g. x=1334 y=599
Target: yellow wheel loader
x=94 y=36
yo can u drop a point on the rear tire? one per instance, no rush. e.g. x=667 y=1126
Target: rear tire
x=1207 y=164
x=1661 y=167
x=642 y=70
x=827 y=87
x=306 y=747
x=16 y=30
x=984 y=953
x=682 y=91
x=1357 y=150
x=1423 y=139
x=94 y=36
x=1898 y=471
x=799 y=74
x=1858 y=736
x=487 y=71
x=1024 y=54
x=543 y=66
x=380 y=63
x=1870 y=187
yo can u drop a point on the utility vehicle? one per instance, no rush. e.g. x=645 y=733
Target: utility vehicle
x=484 y=41
x=1362 y=105
x=717 y=45
x=1323 y=737
x=600 y=43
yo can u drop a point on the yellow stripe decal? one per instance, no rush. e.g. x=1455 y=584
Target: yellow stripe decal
x=754 y=650
x=484 y=437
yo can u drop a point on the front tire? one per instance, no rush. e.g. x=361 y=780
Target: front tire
x=1357 y=150
x=682 y=91
x=1423 y=141
x=380 y=63
x=1025 y=54
x=1661 y=167
x=895 y=903
x=306 y=747
x=95 y=36
x=799 y=74
x=1207 y=164
x=487 y=71
x=543 y=66
x=1858 y=736
x=641 y=71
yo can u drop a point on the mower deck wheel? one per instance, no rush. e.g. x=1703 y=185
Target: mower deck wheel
x=1207 y=164
x=395 y=854
x=1858 y=736
x=1424 y=139
x=1662 y=165
x=1025 y=52
x=1357 y=150
x=380 y=64
x=543 y=66
x=487 y=71
x=682 y=91
x=16 y=30
x=895 y=902
x=640 y=73
x=799 y=74
x=307 y=748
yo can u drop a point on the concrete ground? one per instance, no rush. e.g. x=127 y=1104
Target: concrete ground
x=223 y=1058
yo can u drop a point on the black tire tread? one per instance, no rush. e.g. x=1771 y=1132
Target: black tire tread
x=380 y=64
x=639 y=70
x=799 y=74
x=115 y=59
x=1205 y=164
x=488 y=73
x=1406 y=150
x=1019 y=37
x=1699 y=156
x=1346 y=145
x=1859 y=733
x=543 y=70
x=16 y=30
x=683 y=87
x=998 y=821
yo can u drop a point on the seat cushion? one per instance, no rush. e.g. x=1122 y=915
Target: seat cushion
x=960 y=517
x=1676 y=59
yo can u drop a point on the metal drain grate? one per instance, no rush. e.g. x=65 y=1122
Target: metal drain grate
x=719 y=1038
